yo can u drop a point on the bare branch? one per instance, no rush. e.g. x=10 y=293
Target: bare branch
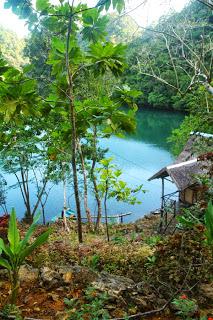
x=172 y=60
x=207 y=3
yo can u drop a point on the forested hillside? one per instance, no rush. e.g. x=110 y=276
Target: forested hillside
x=162 y=61
x=12 y=47
x=171 y=64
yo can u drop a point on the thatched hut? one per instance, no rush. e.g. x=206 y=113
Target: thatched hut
x=186 y=168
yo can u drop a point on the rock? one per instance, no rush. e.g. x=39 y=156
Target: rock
x=67 y=276
x=28 y=274
x=53 y=296
x=207 y=290
x=50 y=278
x=140 y=287
x=36 y=309
x=61 y=315
x=140 y=302
x=113 y=285
x=77 y=274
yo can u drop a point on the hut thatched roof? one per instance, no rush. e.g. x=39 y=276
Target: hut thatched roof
x=190 y=151
x=186 y=166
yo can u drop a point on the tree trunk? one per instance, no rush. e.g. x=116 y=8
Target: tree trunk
x=39 y=197
x=86 y=207
x=105 y=209
x=98 y=200
x=94 y=181
x=74 y=133
x=66 y=228
x=28 y=215
x=43 y=215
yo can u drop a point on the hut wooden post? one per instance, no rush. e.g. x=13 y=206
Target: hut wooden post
x=162 y=206
x=162 y=197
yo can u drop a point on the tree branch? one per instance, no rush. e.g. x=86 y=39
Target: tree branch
x=207 y=3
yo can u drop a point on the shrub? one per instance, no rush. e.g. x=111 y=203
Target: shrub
x=186 y=307
x=91 y=309
x=18 y=250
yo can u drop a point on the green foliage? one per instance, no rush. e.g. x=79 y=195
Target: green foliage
x=150 y=261
x=186 y=307
x=119 y=5
x=119 y=239
x=92 y=262
x=12 y=48
x=122 y=29
x=120 y=257
x=186 y=222
x=106 y=57
x=93 y=308
x=148 y=54
x=9 y=309
x=115 y=188
x=14 y=254
x=42 y=5
x=3 y=191
x=199 y=119
x=153 y=240
x=24 y=152
x=191 y=217
x=126 y=97
x=18 y=94
x=94 y=26
x=209 y=223
x=73 y=46
x=159 y=66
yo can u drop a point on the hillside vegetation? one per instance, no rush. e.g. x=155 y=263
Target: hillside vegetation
x=12 y=47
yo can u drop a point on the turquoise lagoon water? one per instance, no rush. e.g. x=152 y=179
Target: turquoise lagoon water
x=139 y=156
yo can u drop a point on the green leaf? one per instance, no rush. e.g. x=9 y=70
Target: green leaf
x=119 y=5
x=94 y=26
x=5 y=248
x=58 y=45
x=2 y=245
x=185 y=222
x=5 y=264
x=29 y=233
x=28 y=87
x=13 y=232
x=107 y=56
x=42 y=5
x=38 y=242
x=209 y=222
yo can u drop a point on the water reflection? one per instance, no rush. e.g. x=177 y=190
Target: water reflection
x=154 y=127
x=139 y=156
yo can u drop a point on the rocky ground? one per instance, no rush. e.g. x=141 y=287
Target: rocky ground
x=138 y=271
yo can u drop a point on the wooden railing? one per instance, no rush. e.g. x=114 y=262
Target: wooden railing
x=118 y=217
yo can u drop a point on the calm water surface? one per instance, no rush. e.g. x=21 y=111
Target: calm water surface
x=139 y=156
